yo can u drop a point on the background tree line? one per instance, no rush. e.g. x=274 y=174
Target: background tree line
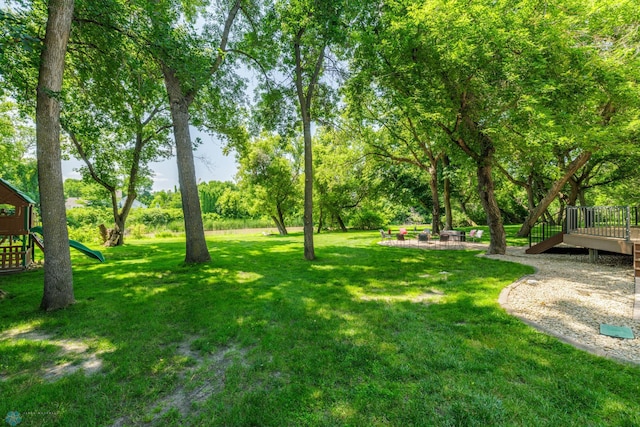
x=339 y=111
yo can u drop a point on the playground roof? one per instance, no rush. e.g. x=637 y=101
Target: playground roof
x=22 y=195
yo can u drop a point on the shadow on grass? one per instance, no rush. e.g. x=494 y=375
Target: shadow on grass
x=338 y=340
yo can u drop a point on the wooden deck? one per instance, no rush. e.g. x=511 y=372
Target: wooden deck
x=601 y=243
x=593 y=238
x=601 y=240
x=597 y=228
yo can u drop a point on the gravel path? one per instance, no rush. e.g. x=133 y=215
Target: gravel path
x=569 y=297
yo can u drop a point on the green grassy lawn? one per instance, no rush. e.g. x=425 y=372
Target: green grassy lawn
x=365 y=335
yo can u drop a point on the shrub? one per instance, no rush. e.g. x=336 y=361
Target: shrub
x=155 y=218
x=138 y=231
x=81 y=217
x=366 y=219
x=163 y=234
x=85 y=234
x=176 y=226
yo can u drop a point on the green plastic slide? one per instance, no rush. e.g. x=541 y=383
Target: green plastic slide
x=85 y=250
x=75 y=245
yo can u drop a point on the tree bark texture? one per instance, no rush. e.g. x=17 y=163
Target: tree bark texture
x=435 y=198
x=282 y=230
x=448 y=224
x=196 y=250
x=573 y=167
x=58 y=275
x=498 y=243
x=309 y=251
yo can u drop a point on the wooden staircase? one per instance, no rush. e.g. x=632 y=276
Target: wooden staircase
x=547 y=244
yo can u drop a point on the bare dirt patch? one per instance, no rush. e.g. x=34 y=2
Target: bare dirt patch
x=71 y=356
x=432 y=296
x=197 y=383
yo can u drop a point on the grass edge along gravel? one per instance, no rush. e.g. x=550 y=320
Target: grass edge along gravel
x=364 y=335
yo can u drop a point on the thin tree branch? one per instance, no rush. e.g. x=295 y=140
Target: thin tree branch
x=225 y=37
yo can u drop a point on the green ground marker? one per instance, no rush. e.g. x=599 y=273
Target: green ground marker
x=616 y=331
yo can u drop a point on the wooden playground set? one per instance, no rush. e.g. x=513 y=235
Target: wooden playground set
x=18 y=233
x=17 y=217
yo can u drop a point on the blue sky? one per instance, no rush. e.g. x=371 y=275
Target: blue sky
x=210 y=164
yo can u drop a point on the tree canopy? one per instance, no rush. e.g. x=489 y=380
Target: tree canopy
x=464 y=113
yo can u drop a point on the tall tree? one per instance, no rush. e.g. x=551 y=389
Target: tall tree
x=302 y=34
x=58 y=276
x=116 y=112
x=606 y=99
x=190 y=42
x=341 y=181
x=189 y=63
x=269 y=171
x=402 y=138
x=118 y=136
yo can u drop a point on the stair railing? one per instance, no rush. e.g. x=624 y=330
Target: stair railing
x=544 y=230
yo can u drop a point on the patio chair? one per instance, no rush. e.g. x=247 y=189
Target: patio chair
x=477 y=235
x=385 y=236
x=444 y=239
x=423 y=237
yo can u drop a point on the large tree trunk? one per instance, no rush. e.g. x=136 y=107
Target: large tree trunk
x=309 y=251
x=435 y=198
x=498 y=243
x=448 y=224
x=486 y=190
x=116 y=236
x=58 y=276
x=196 y=251
x=573 y=167
x=304 y=99
x=120 y=218
x=282 y=230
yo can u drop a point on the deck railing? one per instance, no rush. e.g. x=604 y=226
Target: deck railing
x=543 y=231
x=604 y=221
